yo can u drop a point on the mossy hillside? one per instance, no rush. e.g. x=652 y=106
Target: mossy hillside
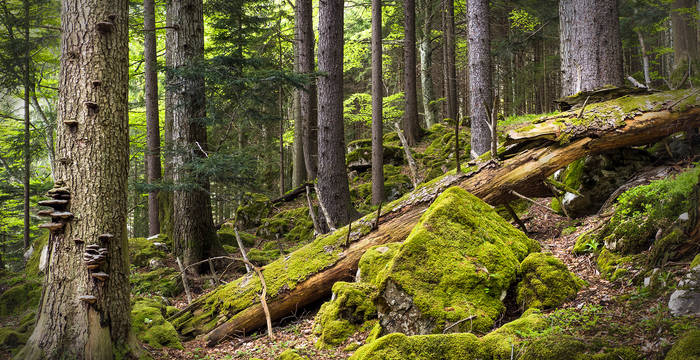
x=498 y=344
x=686 y=348
x=642 y=210
x=352 y=305
x=23 y=296
x=547 y=282
x=263 y=257
x=375 y=260
x=459 y=261
x=255 y=207
x=294 y=226
x=164 y=281
x=141 y=250
x=227 y=236
x=586 y=243
x=363 y=156
x=290 y=354
x=281 y=275
x=396 y=185
x=439 y=156
x=613 y=266
x=149 y=325
x=564 y=347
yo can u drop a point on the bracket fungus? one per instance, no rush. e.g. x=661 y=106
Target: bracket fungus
x=90 y=299
x=101 y=276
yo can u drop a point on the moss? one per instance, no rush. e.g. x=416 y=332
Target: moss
x=695 y=262
x=22 y=296
x=162 y=281
x=149 y=325
x=141 y=250
x=571 y=178
x=256 y=207
x=375 y=260
x=439 y=156
x=686 y=348
x=32 y=266
x=458 y=262
x=227 y=236
x=641 y=211
x=611 y=265
x=666 y=248
x=547 y=282
x=263 y=257
x=362 y=156
x=294 y=225
x=374 y=333
x=569 y=348
x=10 y=339
x=353 y=305
x=290 y=354
x=586 y=243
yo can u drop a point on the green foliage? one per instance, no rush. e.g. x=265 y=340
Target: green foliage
x=358 y=108
x=20 y=297
x=522 y=20
x=163 y=281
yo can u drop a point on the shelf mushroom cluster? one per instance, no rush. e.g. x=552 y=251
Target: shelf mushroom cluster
x=58 y=202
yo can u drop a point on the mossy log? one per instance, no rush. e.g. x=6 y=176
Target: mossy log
x=308 y=274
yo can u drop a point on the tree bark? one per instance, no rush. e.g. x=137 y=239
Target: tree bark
x=166 y=197
x=332 y=188
x=377 y=98
x=452 y=96
x=194 y=237
x=307 y=97
x=426 y=65
x=590 y=46
x=92 y=164
x=27 y=134
x=480 y=88
x=410 y=122
x=685 y=36
x=152 y=122
x=525 y=171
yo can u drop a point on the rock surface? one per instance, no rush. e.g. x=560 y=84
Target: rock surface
x=686 y=299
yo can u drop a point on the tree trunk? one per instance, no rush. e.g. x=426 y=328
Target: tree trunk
x=685 y=36
x=152 y=122
x=426 y=65
x=332 y=188
x=307 y=97
x=299 y=165
x=645 y=59
x=93 y=161
x=452 y=96
x=27 y=134
x=377 y=98
x=194 y=237
x=545 y=152
x=590 y=47
x=480 y=75
x=410 y=122
x=166 y=197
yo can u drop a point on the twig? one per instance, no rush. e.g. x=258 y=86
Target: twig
x=457 y=323
x=323 y=209
x=240 y=247
x=312 y=213
x=515 y=217
x=379 y=213
x=184 y=280
x=200 y=148
x=583 y=107
x=513 y=192
x=681 y=100
x=635 y=82
x=263 y=301
x=215 y=279
x=415 y=178
x=347 y=238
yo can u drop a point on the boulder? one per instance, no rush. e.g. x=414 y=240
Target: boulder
x=360 y=159
x=686 y=348
x=351 y=306
x=547 y=282
x=686 y=299
x=149 y=325
x=458 y=263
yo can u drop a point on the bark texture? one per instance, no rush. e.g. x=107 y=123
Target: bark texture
x=377 y=99
x=590 y=46
x=152 y=122
x=410 y=121
x=332 y=188
x=451 y=75
x=685 y=36
x=194 y=237
x=92 y=163
x=166 y=196
x=430 y=110
x=298 y=164
x=307 y=97
x=480 y=90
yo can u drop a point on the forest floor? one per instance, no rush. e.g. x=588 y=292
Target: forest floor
x=630 y=315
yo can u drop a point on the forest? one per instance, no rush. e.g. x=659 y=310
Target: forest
x=350 y=179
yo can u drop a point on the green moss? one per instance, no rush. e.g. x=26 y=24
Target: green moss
x=439 y=156
x=586 y=243
x=547 y=282
x=569 y=348
x=294 y=225
x=141 y=250
x=10 y=339
x=459 y=261
x=686 y=348
x=256 y=207
x=695 y=262
x=227 y=236
x=149 y=325
x=374 y=333
x=162 y=281
x=353 y=305
x=666 y=248
x=363 y=155
x=290 y=354
x=611 y=265
x=641 y=211
x=17 y=299
x=32 y=266
x=375 y=260
x=263 y=257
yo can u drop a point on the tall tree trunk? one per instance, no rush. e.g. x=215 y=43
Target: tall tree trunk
x=410 y=122
x=93 y=161
x=166 y=197
x=685 y=36
x=194 y=237
x=590 y=47
x=426 y=65
x=452 y=96
x=152 y=122
x=27 y=134
x=307 y=98
x=333 y=189
x=299 y=165
x=479 y=75
x=377 y=99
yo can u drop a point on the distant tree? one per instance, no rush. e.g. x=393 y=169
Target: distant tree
x=480 y=88
x=152 y=122
x=332 y=185
x=590 y=47
x=82 y=315
x=298 y=163
x=194 y=237
x=410 y=121
x=684 y=25
x=449 y=60
x=307 y=97
x=428 y=9
x=377 y=107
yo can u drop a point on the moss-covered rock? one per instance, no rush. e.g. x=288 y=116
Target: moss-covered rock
x=396 y=184
x=227 y=236
x=375 y=260
x=20 y=297
x=10 y=339
x=291 y=354
x=547 y=282
x=558 y=347
x=361 y=158
x=141 y=250
x=439 y=156
x=149 y=325
x=686 y=348
x=263 y=257
x=163 y=281
x=255 y=208
x=352 y=305
x=294 y=225
x=457 y=263
x=641 y=211
x=612 y=266
x=586 y=243
x=695 y=262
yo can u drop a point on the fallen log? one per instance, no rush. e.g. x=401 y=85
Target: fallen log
x=307 y=275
